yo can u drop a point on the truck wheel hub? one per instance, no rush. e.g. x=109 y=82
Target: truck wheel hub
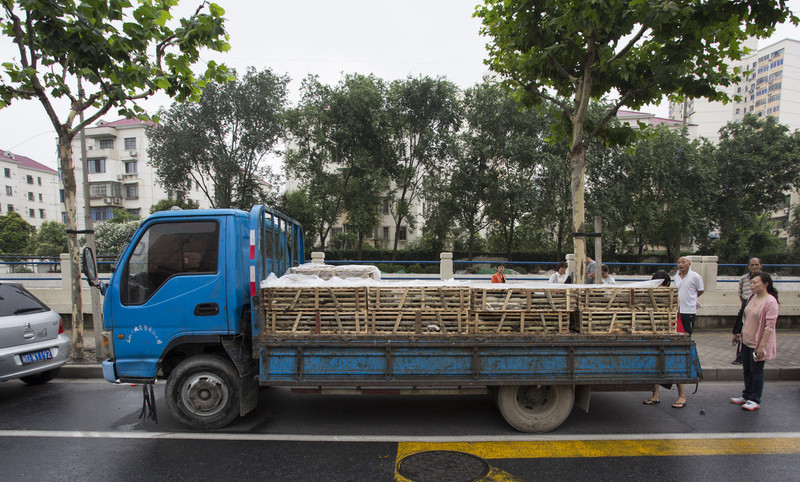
x=205 y=394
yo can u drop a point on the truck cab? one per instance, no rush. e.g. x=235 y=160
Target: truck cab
x=183 y=288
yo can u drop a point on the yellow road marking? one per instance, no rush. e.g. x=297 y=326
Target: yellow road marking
x=609 y=448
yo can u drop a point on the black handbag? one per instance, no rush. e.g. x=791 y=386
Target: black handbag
x=737 y=327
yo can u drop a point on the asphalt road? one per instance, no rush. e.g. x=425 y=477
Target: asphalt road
x=89 y=430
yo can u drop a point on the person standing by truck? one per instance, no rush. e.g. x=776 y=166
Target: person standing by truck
x=690 y=288
x=754 y=266
x=499 y=277
x=758 y=339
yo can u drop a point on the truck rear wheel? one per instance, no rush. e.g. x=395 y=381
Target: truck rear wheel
x=203 y=392
x=535 y=408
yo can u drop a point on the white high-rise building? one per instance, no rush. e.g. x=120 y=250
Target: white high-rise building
x=770 y=86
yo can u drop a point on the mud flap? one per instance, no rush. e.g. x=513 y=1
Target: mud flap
x=249 y=391
x=582 y=393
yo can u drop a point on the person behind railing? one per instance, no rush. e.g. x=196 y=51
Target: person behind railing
x=499 y=277
x=561 y=276
x=606 y=275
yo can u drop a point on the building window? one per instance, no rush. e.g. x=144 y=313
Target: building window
x=776 y=63
x=738 y=110
x=106 y=143
x=97 y=191
x=63 y=217
x=97 y=166
x=135 y=212
x=130 y=168
x=385 y=205
x=40 y=198
x=131 y=191
x=42 y=213
x=401 y=235
x=386 y=233
x=130 y=143
x=7 y=172
x=31 y=197
x=774 y=98
x=9 y=191
x=31 y=213
x=39 y=180
x=101 y=214
x=29 y=179
x=61 y=195
x=10 y=208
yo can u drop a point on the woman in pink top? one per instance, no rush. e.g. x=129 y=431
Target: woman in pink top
x=758 y=339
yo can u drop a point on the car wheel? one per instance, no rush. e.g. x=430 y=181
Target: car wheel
x=41 y=378
x=202 y=392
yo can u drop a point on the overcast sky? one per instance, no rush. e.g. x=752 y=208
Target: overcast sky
x=391 y=39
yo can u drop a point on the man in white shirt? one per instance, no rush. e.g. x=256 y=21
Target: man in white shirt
x=690 y=287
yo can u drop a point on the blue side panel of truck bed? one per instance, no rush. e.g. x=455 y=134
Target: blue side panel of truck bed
x=567 y=360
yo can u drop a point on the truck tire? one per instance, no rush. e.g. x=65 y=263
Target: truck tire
x=41 y=378
x=535 y=408
x=202 y=392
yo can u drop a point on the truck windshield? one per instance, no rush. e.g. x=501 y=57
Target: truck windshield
x=166 y=250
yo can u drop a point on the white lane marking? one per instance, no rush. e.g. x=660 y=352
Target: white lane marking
x=383 y=438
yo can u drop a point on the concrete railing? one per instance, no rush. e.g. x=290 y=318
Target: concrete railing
x=717 y=306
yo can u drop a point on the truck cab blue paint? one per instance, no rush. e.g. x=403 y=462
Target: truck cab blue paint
x=187 y=274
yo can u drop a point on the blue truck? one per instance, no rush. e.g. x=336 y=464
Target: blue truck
x=184 y=303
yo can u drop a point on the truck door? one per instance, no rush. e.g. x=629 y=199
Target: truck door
x=171 y=284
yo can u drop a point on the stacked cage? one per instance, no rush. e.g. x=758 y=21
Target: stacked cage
x=509 y=310
x=627 y=310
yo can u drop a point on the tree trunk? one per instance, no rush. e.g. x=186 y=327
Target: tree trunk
x=68 y=178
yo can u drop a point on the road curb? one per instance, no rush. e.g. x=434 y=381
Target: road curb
x=81 y=370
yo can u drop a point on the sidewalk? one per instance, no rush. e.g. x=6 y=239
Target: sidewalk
x=713 y=347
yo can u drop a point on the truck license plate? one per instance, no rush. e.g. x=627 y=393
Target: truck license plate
x=35 y=356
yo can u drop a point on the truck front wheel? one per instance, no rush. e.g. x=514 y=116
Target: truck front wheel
x=536 y=408
x=203 y=392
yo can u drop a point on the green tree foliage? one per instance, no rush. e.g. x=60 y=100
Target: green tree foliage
x=756 y=161
x=345 y=126
x=656 y=193
x=15 y=234
x=123 y=52
x=120 y=216
x=111 y=238
x=49 y=240
x=296 y=205
x=571 y=49
x=425 y=115
x=167 y=204
x=220 y=142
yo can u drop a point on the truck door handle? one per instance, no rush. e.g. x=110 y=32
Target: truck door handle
x=206 y=309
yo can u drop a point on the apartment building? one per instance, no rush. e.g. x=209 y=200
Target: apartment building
x=29 y=188
x=119 y=173
x=770 y=86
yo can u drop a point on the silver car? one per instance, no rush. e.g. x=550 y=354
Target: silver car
x=33 y=346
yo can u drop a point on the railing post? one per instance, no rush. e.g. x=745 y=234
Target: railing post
x=66 y=281
x=697 y=266
x=318 y=257
x=571 y=265
x=446 y=266
x=709 y=274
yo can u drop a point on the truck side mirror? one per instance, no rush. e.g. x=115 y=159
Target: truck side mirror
x=89 y=268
